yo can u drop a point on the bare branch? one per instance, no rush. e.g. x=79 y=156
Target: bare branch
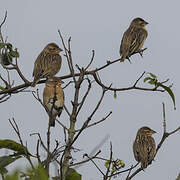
x=68 y=55
x=64 y=127
x=16 y=129
x=67 y=111
x=42 y=143
x=89 y=118
x=85 y=96
x=92 y=58
x=4 y=20
x=139 y=79
x=6 y=96
x=125 y=89
x=95 y=164
x=20 y=73
x=88 y=159
x=109 y=162
x=67 y=84
x=95 y=123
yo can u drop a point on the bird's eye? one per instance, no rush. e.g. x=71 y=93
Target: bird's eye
x=52 y=48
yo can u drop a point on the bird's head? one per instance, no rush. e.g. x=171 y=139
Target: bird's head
x=54 y=81
x=52 y=48
x=146 y=130
x=139 y=22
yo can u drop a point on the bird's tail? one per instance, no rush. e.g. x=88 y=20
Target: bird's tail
x=122 y=59
x=144 y=164
x=52 y=121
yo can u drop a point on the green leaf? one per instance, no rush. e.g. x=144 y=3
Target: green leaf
x=152 y=75
x=14 y=54
x=106 y=164
x=169 y=92
x=6 y=59
x=39 y=173
x=147 y=78
x=9 y=46
x=2 y=88
x=73 y=175
x=178 y=178
x=120 y=163
x=152 y=82
x=13 y=145
x=115 y=95
x=2 y=45
x=6 y=160
x=13 y=176
x=3 y=171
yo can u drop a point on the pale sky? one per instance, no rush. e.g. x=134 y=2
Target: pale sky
x=99 y=25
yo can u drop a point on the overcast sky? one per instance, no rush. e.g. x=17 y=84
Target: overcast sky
x=99 y=25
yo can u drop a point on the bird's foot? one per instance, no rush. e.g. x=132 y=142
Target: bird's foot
x=129 y=60
x=141 y=52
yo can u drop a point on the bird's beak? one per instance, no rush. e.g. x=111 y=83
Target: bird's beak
x=60 y=49
x=145 y=22
x=153 y=132
x=62 y=82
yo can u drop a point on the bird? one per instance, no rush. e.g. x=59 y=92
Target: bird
x=133 y=39
x=144 y=146
x=53 y=98
x=48 y=63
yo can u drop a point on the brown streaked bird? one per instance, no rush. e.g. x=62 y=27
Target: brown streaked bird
x=48 y=63
x=53 y=98
x=133 y=38
x=144 y=146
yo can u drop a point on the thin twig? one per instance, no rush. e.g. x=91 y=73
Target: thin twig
x=4 y=20
x=87 y=160
x=89 y=118
x=67 y=111
x=70 y=82
x=95 y=123
x=16 y=129
x=92 y=58
x=84 y=97
x=64 y=127
x=139 y=79
x=95 y=164
x=109 y=163
x=124 y=89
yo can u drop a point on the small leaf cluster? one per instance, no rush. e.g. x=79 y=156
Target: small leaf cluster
x=153 y=80
x=115 y=165
x=7 y=53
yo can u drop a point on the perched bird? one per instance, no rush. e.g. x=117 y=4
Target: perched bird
x=48 y=63
x=53 y=98
x=144 y=146
x=133 y=38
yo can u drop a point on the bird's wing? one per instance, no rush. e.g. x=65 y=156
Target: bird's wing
x=151 y=150
x=38 y=66
x=136 y=150
x=126 y=42
x=138 y=37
